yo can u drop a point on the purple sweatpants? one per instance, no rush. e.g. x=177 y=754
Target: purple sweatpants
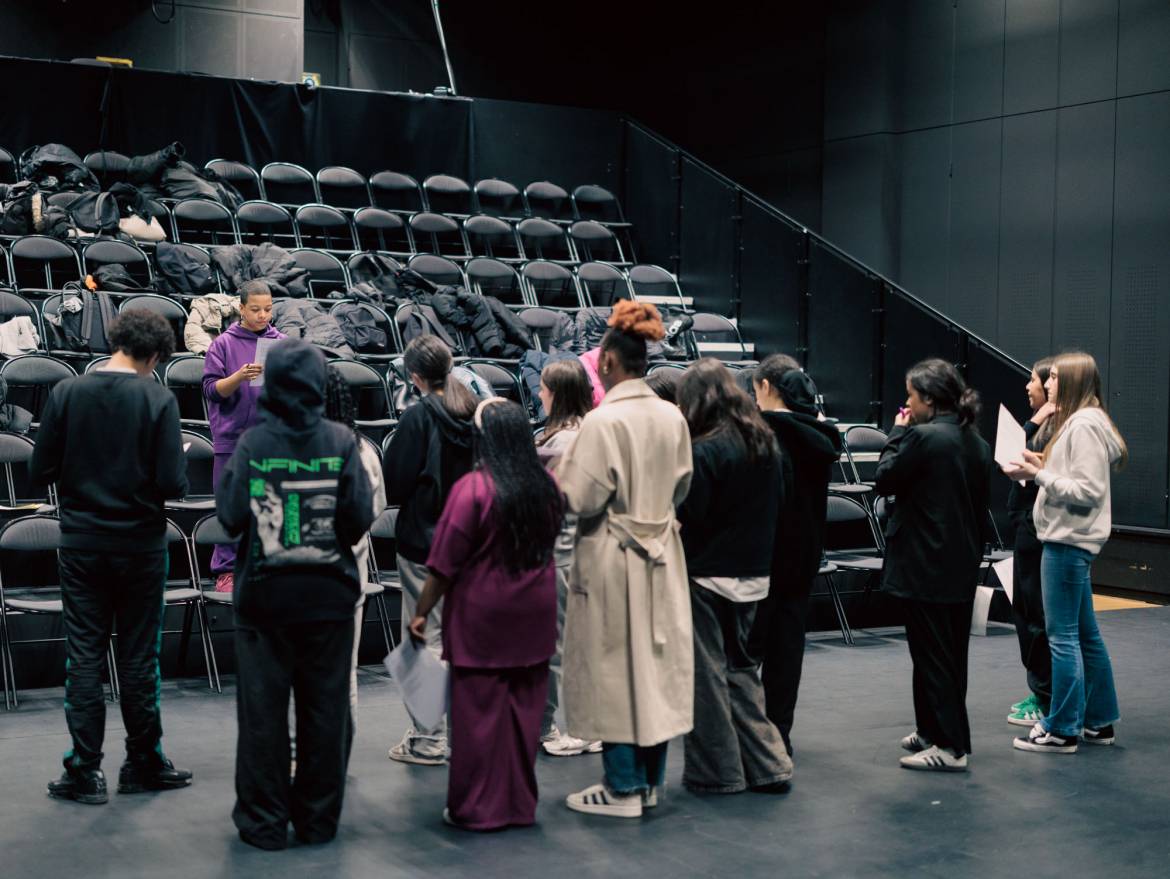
x=223 y=558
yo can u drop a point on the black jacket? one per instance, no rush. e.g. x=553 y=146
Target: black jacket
x=729 y=516
x=1022 y=498
x=940 y=474
x=111 y=442
x=430 y=450
x=296 y=492
x=813 y=447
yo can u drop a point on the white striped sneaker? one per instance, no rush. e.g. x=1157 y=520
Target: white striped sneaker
x=914 y=743
x=935 y=759
x=600 y=800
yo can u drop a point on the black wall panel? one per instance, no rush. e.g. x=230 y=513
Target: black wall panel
x=770 y=293
x=1031 y=55
x=1084 y=230
x=707 y=240
x=1028 y=193
x=859 y=93
x=972 y=274
x=650 y=197
x=841 y=333
x=924 y=84
x=861 y=199
x=1140 y=320
x=1143 y=62
x=924 y=205
x=912 y=333
x=978 y=59
x=1088 y=50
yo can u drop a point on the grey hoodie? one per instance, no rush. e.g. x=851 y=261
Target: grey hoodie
x=1073 y=505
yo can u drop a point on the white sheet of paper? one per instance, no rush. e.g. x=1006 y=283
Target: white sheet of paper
x=1003 y=570
x=1010 y=439
x=263 y=346
x=422 y=679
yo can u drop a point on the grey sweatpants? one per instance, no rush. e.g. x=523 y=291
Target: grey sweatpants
x=414 y=577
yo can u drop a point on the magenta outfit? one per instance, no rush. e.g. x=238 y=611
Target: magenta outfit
x=499 y=630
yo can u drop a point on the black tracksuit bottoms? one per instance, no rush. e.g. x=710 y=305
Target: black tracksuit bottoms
x=313 y=661
x=938 y=636
x=1028 y=611
x=99 y=589
x=778 y=641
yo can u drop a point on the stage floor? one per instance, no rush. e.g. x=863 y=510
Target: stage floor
x=851 y=810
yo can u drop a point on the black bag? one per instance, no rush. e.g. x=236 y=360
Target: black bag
x=95 y=212
x=113 y=278
x=181 y=273
x=422 y=321
x=378 y=271
x=56 y=168
x=83 y=329
x=359 y=325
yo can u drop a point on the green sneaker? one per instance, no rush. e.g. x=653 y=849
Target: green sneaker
x=1030 y=702
x=1026 y=717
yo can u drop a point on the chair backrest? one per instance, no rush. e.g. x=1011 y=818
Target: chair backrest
x=550 y=285
x=492 y=237
x=166 y=308
x=370 y=392
x=289 y=184
x=594 y=242
x=7 y=167
x=109 y=251
x=438 y=234
x=846 y=524
x=545 y=199
x=183 y=376
x=382 y=320
x=498 y=198
x=202 y=221
x=490 y=277
x=99 y=363
x=14 y=305
x=597 y=203
x=504 y=382
x=380 y=229
x=31 y=377
x=260 y=221
x=31 y=534
x=200 y=456
x=863 y=445
x=396 y=192
x=543 y=239
x=243 y=177
x=542 y=322
x=327 y=274
x=602 y=283
x=324 y=228
x=437 y=270
x=655 y=284
x=209 y=532
x=15 y=450
x=43 y=263
x=383 y=527
x=109 y=167
x=448 y=194
x=716 y=336
x=343 y=187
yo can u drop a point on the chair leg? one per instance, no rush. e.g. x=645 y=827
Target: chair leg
x=205 y=625
x=384 y=622
x=839 y=607
x=184 y=637
x=6 y=646
x=112 y=665
x=4 y=662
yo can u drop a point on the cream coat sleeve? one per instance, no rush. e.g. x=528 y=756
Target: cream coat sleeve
x=585 y=478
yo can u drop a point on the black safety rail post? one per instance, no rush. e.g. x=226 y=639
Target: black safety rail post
x=877 y=371
x=737 y=254
x=676 y=230
x=802 y=272
x=963 y=351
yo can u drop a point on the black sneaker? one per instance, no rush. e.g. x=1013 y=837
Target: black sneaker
x=1043 y=742
x=83 y=786
x=155 y=773
x=1102 y=736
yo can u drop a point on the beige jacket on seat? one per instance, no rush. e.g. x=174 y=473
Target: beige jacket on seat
x=628 y=661
x=210 y=315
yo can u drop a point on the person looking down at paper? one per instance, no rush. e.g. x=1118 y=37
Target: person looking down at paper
x=491 y=560
x=228 y=371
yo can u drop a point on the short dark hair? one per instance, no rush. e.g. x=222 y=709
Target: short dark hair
x=254 y=287
x=141 y=334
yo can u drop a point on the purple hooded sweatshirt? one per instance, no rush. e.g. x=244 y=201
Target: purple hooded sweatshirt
x=231 y=416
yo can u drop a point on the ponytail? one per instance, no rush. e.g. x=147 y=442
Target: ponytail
x=969 y=406
x=430 y=359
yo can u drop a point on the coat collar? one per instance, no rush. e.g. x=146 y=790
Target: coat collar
x=628 y=390
x=945 y=418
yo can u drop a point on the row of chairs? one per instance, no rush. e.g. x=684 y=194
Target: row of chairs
x=24 y=538
x=293 y=185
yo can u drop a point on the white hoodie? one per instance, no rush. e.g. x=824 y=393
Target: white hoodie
x=1073 y=504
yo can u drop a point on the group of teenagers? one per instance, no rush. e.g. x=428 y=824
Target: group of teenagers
x=638 y=570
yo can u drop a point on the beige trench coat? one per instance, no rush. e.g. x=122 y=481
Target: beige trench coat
x=628 y=649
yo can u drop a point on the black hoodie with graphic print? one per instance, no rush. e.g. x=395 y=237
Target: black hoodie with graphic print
x=430 y=450
x=296 y=493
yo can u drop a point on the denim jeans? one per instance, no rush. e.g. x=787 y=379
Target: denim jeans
x=630 y=769
x=1082 y=676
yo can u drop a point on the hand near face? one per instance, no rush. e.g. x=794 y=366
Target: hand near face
x=1043 y=413
x=904 y=418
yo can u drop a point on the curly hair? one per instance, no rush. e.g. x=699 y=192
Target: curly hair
x=141 y=334
x=339 y=402
x=631 y=326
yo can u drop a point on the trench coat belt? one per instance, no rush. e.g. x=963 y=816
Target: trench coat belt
x=646 y=539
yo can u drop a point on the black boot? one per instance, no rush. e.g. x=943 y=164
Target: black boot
x=82 y=785
x=155 y=772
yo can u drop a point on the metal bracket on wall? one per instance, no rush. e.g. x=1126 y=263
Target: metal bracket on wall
x=802 y=273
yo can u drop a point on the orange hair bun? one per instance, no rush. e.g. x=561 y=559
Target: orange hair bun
x=637 y=319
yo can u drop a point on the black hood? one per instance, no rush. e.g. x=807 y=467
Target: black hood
x=817 y=438
x=294 y=384
x=456 y=431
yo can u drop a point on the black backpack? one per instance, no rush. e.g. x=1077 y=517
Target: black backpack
x=182 y=273
x=84 y=328
x=359 y=325
x=95 y=212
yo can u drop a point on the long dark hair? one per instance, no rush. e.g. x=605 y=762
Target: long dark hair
x=712 y=402
x=1043 y=369
x=528 y=508
x=572 y=396
x=940 y=385
x=339 y=403
x=430 y=359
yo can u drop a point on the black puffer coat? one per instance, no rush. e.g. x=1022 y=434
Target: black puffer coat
x=266 y=262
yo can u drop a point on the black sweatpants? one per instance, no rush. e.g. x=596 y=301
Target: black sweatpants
x=313 y=661
x=99 y=590
x=777 y=640
x=938 y=636
x=1028 y=611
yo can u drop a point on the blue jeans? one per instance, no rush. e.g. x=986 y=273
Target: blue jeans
x=630 y=769
x=1082 y=676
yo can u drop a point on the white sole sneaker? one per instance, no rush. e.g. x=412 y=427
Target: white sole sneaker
x=1040 y=741
x=599 y=800
x=400 y=754
x=934 y=759
x=568 y=746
